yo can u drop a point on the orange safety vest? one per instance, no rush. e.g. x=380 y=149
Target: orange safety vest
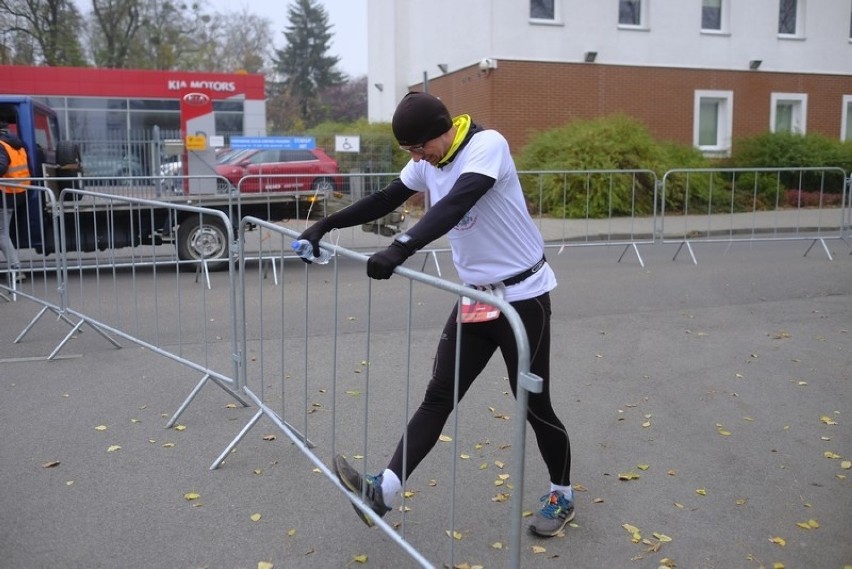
x=18 y=168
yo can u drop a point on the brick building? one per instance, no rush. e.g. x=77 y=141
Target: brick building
x=700 y=72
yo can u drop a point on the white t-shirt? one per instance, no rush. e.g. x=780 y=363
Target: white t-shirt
x=497 y=238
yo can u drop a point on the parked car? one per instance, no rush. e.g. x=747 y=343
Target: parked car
x=274 y=170
x=112 y=166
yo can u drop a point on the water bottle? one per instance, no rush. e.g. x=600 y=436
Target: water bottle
x=304 y=249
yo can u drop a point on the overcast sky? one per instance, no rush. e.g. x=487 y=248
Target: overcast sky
x=348 y=18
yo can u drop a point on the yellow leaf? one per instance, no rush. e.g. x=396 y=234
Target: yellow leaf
x=536 y=549
x=643 y=466
x=779 y=540
x=666 y=563
x=646 y=424
x=701 y=492
x=777 y=565
x=662 y=537
x=741 y=501
x=499 y=464
x=500 y=497
x=257 y=471
x=678 y=505
x=464 y=456
x=498 y=483
x=829 y=454
x=630 y=528
x=483 y=466
x=114 y=448
x=445 y=439
x=628 y=476
x=827 y=420
x=231 y=406
x=455 y=535
x=101 y=428
x=255 y=517
x=409 y=494
x=846 y=465
x=180 y=427
x=51 y=464
x=359 y=559
x=192 y=496
x=264 y=565
x=497 y=545
x=358 y=457
x=291 y=532
x=168 y=445
x=724 y=433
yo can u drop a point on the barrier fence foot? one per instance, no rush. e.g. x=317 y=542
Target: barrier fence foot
x=202 y=268
x=171 y=422
x=635 y=250
x=73 y=331
x=821 y=241
x=688 y=248
x=218 y=462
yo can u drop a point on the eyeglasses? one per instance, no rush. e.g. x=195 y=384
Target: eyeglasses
x=418 y=148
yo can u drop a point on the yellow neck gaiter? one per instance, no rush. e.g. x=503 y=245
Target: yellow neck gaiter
x=462 y=124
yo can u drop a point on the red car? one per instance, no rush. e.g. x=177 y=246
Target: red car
x=273 y=170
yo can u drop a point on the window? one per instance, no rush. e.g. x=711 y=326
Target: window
x=542 y=10
x=630 y=13
x=791 y=17
x=846 y=120
x=712 y=14
x=788 y=113
x=713 y=121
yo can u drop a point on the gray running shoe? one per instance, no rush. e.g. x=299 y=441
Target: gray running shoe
x=555 y=513
x=368 y=486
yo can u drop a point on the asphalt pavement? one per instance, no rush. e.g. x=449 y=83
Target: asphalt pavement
x=708 y=407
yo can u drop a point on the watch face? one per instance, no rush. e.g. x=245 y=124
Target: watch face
x=404 y=238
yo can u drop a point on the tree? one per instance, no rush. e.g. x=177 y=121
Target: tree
x=346 y=102
x=115 y=25
x=51 y=25
x=172 y=35
x=240 y=42
x=304 y=63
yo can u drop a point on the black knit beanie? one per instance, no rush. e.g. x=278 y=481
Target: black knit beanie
x=419 y=118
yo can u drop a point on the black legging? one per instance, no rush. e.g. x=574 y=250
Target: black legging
x=478 y=343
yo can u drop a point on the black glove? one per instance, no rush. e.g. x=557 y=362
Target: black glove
x=381 y=265
x=313 y=234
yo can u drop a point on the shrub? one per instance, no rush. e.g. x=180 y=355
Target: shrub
x=613 y=143
x=792 y=152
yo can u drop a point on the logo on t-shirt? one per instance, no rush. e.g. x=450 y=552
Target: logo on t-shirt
x=466 y=223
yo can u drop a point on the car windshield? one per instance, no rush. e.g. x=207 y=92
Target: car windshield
x=233 y=156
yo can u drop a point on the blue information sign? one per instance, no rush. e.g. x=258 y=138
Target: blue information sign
x=278 y=142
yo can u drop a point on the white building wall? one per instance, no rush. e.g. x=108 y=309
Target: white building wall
x=408 y=38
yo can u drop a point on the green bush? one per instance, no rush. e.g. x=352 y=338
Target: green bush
x=614 y=143
x=792 y=152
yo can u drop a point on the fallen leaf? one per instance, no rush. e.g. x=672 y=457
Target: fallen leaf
x=180 y=427
x=832 y=455
x=536 y=549
x=168 y=445
x=359 y=559
x=269 y=437
x=445 y=439
x=101 y=428
x=810 y=524
x=114 y=448
x=643 y=467
x=496 y=545
x=264 y=565
x=455 y=535
x=846 y=465
x=291 y=532
x=827 y=420
x=255 y=517
x=51 y=464
x=778 y=540
x=701 y=492
x=628 y=476
x=190 y=496
x=662 y=537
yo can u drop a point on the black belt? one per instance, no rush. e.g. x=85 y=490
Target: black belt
x=526 y=274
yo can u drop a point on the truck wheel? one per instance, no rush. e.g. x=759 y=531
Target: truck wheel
x=67 y=155
x=199 y=240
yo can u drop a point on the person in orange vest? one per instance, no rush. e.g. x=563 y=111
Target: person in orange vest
x=14 y=168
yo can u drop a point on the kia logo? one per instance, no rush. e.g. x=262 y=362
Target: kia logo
x=196 y=99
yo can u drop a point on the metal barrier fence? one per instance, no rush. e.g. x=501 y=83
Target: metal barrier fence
x=319 y=337
x=594 y=207
x=148 y=298
x=754 y=204
x=33 y=230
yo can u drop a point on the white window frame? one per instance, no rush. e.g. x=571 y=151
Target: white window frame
x=799 y=33
x=644 y=10
x=724 y=124
x=799 y=102
x=557 y=15
x=724 y=26
x=846 y=118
